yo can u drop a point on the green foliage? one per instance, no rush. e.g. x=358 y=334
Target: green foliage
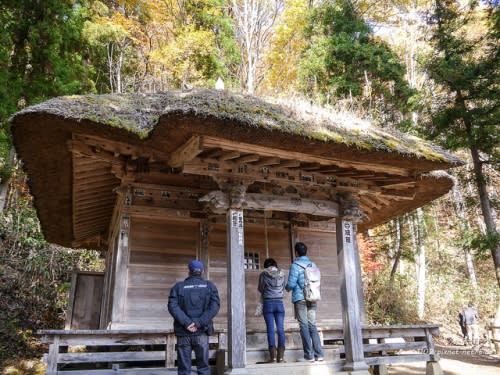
x=45 y=48
x=387 y=303
x=34 y=278
x=151 y=45
x=41 y=56
x=467 y=65
x=482 y=243
x=345 y=59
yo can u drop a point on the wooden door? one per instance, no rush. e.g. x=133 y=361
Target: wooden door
x=84 y=307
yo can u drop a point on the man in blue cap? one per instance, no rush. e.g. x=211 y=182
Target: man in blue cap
x=193 y=303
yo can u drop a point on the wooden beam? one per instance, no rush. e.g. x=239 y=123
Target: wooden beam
x=156 y=212
x=286 y=154
x=267 y=161
x=219 y=202
x=247 y=159
x=229 y=155
x=369 y=201
x=230 y=169
x=143 y=150
x=330 y=169
x=310 y=166
x=212 y=154
x=408 y=194
x=188 y=151
x=398 y=185
x=290 y=164
x=121 y=149
x=80 y=148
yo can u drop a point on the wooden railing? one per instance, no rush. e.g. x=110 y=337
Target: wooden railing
x=120 y=349
x=494 y=337
x=113 y=348
x=417 y=339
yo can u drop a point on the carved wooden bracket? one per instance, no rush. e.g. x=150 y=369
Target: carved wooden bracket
x=350 y=208
x=217 y=201
x=234 y=188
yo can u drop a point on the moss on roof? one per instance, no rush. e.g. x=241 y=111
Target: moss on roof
x=139 y=114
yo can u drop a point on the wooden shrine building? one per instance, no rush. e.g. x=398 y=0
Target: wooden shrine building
x=156 y=180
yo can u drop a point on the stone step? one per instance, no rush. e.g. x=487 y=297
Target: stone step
x=291 y=355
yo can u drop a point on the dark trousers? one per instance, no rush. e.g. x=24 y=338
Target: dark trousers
x=185 y=346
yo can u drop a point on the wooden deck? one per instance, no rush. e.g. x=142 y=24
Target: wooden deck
x=153 y=351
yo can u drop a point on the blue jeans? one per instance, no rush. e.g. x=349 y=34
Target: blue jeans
x=274 y=311
x=305 y=313
x=185 y=345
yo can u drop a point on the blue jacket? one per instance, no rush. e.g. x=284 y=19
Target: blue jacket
x=296 y=278
x=193 y=300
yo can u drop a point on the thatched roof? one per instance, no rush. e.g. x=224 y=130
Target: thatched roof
x=140 y=113
x=167 y=120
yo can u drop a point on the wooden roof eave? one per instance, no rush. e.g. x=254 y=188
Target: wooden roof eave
x=211 y=129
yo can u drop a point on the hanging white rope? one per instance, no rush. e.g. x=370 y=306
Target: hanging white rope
x=265 y=235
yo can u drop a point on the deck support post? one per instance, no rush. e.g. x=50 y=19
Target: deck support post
x=433 y=368
x=236 y=340
x=350 y=214
x=53 y=356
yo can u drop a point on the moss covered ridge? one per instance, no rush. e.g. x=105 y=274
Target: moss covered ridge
x=140 y=113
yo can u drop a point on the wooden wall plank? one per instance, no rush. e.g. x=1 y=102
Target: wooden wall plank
x=160 y=250
x=322 y=249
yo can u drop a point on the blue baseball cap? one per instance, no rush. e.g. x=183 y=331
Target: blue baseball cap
x=195 y=265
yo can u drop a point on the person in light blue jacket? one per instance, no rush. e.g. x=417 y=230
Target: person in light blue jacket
x=305 y=311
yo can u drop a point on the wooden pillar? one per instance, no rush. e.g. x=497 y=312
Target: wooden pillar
x=121 y=273
x=236 y=290
x=237 y=336
x=346 y=252
x=122 y=194
x=121 y=267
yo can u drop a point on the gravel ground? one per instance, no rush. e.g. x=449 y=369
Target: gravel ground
x=456 y=360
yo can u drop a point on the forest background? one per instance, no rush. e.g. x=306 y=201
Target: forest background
x=430 y=68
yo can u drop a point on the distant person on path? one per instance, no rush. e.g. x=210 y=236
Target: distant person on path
x=471 y=324
x=461 y=322
x=271 y=287
x=193 y=303
x=305 y=311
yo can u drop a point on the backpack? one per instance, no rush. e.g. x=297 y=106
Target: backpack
x=470 y=316
x=312 y=282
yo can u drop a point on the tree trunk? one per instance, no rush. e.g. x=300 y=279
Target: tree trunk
x=5 y=183
x=421 y=266
x=486 y=209
x=397 y=251
x=458 y=203
x=109 y=50
x=254 y=21
x=417 y=239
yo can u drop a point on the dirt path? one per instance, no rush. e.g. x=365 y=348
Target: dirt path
x=456 y=360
